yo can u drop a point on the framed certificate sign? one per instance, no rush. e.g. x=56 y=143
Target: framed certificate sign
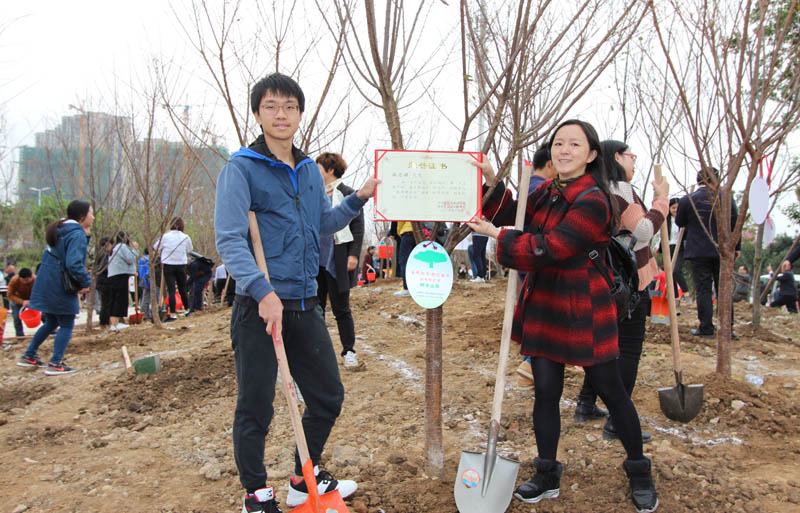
x=427 y=186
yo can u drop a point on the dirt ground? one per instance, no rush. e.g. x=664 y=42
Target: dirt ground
x=162 y=442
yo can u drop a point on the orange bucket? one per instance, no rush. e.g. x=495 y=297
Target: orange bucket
x=370 y=276
x=32 y=318
x=178 y=301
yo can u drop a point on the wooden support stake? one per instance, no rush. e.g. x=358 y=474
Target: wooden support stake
x=128 y=366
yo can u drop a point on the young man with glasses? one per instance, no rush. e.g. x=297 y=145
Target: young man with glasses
x=284 y=188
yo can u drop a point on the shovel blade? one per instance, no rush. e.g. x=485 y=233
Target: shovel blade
x=469 y=484
x=330 y=502
x=681 y=402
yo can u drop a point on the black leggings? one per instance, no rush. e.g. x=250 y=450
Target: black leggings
x=548 y=378
x=631 y=338
x=176 y=274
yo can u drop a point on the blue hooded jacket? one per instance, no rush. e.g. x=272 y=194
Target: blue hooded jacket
x=292 y=211
x=48 y=295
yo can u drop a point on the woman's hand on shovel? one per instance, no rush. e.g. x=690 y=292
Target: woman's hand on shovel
x=270 y=309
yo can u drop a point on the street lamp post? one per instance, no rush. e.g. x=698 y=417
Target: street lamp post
x=191 y=199
x=39 y=193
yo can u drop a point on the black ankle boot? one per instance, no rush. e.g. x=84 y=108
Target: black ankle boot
x=585 y=412
x=643 y=491
x=610 y=433
x=545 y=483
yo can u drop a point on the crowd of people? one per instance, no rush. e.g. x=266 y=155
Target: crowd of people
x=62 y=280
x=312 y=230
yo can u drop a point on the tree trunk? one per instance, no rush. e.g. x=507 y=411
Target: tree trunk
x=755 y=286
x=434 y=448
x=768 y=286
x=724 y=313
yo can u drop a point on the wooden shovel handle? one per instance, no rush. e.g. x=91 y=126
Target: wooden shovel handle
x=225 y=288
x=673 y=316
x=511 y=300
x=287 y=384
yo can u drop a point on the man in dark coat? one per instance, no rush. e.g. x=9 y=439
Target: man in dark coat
x=697 y=213
x=787 y=289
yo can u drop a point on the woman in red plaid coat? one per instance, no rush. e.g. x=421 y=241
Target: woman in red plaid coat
x=565 y=314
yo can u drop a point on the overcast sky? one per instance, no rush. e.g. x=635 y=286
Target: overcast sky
x=55 y=53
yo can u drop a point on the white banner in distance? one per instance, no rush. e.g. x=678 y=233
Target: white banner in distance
x=759 y=200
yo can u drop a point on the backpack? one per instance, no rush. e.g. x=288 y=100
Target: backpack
x=621 y=260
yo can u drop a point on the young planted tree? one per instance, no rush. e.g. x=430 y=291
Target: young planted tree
x=532 y=66
x=81 y=158
x=380 y=62
x=238 y=46
x=784 y=179
x=161 y=170
x=739 y=101
x=238 y=43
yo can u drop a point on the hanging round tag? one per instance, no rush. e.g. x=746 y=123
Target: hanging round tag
x=769 y=232
x=759 y=200
x=429 y=274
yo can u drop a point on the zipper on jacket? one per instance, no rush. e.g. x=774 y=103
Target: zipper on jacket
x=303 y=231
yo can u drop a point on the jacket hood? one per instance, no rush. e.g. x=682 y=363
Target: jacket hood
x=259 y=150
x=66 y=228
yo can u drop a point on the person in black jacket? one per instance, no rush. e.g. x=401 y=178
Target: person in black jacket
x=699 y=249
x=103 y=286
x=199 y=275
x=794 y=255
x=787 y=289
x=338 y=258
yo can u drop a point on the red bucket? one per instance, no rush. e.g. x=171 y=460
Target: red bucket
x=370 y=276
x=31 y=318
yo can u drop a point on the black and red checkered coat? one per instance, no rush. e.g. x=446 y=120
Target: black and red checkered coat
x=565 y=312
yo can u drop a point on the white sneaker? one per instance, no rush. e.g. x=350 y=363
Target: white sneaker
x=477 y=280
x=350 y=360
x=402 y=293
x=118 y=327
x=298 y=492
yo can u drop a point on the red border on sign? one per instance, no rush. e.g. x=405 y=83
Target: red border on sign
x=379 y=154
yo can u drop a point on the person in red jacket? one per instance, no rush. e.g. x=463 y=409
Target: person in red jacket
x=566 y=314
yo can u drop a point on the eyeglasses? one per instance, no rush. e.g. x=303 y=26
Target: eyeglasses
x=272 y=109
x=631 y=155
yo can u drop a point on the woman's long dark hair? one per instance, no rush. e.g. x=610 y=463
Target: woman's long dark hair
x=670 y=220
x=596 y=168
x=616 y=173
x=76 y=210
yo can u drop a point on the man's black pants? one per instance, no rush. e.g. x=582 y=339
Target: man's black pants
x=313 y=366
x=705 y=272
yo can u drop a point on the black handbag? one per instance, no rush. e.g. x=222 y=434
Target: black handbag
x=70 y=284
